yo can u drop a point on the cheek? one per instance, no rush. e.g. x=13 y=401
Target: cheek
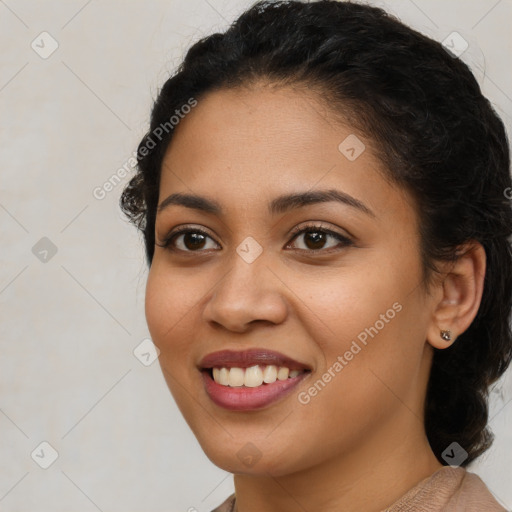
x=170 y=297
x=345 y=304
x=167 y=305
x=369 y=328
x=166 y=311
x=158 y=310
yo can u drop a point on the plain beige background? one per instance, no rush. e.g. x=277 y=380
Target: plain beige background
x=72 y=270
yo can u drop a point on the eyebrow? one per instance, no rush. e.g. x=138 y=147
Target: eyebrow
x=278 y=205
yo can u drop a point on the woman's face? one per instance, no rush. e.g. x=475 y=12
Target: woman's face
x=348 y=314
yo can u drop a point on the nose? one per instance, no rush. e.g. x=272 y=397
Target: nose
x=248 y=293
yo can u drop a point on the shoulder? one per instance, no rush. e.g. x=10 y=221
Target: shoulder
x=475 y=496
x=450 y=489
x=226 y=506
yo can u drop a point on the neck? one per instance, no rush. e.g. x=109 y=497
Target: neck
x=371 y=477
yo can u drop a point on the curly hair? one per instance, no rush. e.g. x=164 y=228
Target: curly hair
x=437 y=135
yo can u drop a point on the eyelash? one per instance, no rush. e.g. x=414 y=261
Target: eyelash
x=316 y=228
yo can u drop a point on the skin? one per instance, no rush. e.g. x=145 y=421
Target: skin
x=359 y=444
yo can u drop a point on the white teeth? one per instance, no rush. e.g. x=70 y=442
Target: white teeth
x=283 y=373
x=253 y=376
x=270 y=374
x=236 y=377
x=223 y=377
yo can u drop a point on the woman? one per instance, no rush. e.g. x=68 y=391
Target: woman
x=321 y=194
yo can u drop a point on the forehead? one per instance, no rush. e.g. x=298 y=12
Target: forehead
x=242 y=145
x=263 y=121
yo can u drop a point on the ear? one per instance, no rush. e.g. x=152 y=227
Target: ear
x=458 y=295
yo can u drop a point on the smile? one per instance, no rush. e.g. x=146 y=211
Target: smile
x=254 y=376
x=251 y=379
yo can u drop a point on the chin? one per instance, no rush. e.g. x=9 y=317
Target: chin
x=241 y=456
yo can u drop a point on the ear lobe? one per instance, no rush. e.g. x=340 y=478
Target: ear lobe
x=461 y=295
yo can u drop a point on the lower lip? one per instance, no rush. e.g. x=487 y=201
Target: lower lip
x=247 y=399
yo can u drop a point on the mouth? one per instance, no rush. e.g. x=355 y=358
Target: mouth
x=251 y=379
x=253 y=376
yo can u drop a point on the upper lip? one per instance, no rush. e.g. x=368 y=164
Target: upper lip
x=250 y=357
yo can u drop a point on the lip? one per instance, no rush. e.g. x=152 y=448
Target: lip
x=247 y=358
x=249 y=399
x=244 y=398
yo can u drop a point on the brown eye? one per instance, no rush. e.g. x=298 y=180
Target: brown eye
x=315 y=239
x=193 y=240
x=187 y=240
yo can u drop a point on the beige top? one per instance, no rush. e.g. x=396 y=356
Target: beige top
x=449 y=489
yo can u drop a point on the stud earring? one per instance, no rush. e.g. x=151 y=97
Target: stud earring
x=446 y=335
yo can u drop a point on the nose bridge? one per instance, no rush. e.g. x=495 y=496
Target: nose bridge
x=248 y=291
x=248 y=277
x=247 y=267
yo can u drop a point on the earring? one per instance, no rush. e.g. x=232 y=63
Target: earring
x=446 y=335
